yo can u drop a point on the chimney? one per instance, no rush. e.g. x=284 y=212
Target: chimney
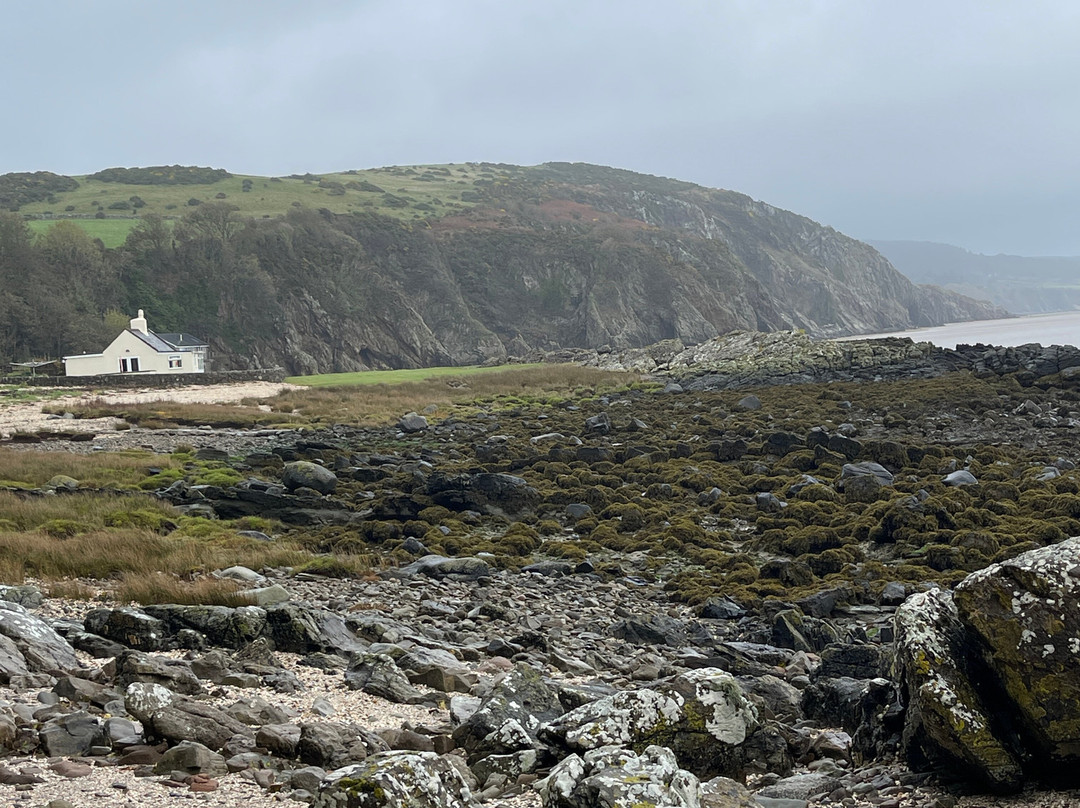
x=139 y=323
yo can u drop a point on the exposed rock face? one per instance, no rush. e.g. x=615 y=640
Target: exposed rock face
x=1026 y=613
x=553 y=256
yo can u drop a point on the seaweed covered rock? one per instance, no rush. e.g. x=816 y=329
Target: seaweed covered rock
x=499 y=494
x=947 y=721
x=304 y=474
x=702 y=716
x=1026 y=614
x=611 y=777
x=397 y=780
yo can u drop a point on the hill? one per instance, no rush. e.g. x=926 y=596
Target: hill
x=1023 y=284
x=428 y=265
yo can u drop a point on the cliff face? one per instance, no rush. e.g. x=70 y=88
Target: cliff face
x=514 y=261
x=575 y=256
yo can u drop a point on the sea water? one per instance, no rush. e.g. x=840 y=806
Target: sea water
x=1056 y=328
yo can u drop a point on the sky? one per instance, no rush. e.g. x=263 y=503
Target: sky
x=941 y=120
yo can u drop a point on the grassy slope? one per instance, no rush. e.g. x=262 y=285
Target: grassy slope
x=396 y=376
x=428 y=191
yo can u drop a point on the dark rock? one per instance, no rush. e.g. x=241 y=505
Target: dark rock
x=72 y=735
x=493 y=493
x=34 y=646
x=303 y=474
x=175 y=675
x=131 y=627
x=302 y=630
x=656 y=629
x=412 y=422
x=378 y=675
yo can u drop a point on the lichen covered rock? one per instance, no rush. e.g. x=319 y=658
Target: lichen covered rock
x=701 y=715
x=1026 y=612
x=397 y=780
x=612 y=777
x=946 y=719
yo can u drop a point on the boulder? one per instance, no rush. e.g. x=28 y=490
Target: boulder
x=73 y=734
x=304 y=474
x=412 y=422
x=173 y=674
x=222 y=626
x=611 y=777
x=510 y=716
x=380 y=676
x=302 y=630
x=947 y=722
x=702 y=715
x=187 y=720
x=128 y=626
x=397 y=780
x=494 y=493
x=34 y=646
x=1026 y=615
x=192 y=758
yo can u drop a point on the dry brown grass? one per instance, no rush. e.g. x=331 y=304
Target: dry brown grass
x=159 y=587
x=377 y=404
x=165 y=414
x=34 y=469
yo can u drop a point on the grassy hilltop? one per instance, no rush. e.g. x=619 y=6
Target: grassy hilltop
x=403 y=192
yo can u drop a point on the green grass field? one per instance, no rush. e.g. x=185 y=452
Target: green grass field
x=112 y=232
x=409 y=192
x=397 y=376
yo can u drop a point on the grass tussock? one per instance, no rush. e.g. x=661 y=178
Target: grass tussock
x=166 y=414
x=105 y=536
x=33 y=469
x=161 y=587
x=376 y=404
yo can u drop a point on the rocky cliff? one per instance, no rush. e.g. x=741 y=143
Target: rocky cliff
x=523 y=259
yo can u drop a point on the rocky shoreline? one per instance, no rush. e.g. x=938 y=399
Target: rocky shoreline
x=827 y=594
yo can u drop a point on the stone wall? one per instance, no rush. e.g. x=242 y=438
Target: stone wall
x=151 y=379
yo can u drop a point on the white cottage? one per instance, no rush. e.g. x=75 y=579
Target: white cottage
x=138 y=350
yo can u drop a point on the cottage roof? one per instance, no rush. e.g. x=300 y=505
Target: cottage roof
x=153 y=340
x=183 y=341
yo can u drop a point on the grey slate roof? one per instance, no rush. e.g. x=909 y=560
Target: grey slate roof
x=154 y=341
x=182 y=341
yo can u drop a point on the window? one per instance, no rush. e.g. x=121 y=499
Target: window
x=129 y=364
x=175 y=361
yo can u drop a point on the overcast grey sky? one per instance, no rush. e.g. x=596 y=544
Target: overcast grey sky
x=941 y=121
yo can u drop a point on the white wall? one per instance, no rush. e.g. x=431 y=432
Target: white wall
x=129 y=346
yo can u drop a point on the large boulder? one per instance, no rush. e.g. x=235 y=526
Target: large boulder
x=1026 y=615
x=494 y=493
x=702 y=715
x=612 y=777
x=397 y=780
x=33 y=646
x=510 y=716
x=947 y=722
x=303 y=630
x=127 y=626
x=303 y=474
